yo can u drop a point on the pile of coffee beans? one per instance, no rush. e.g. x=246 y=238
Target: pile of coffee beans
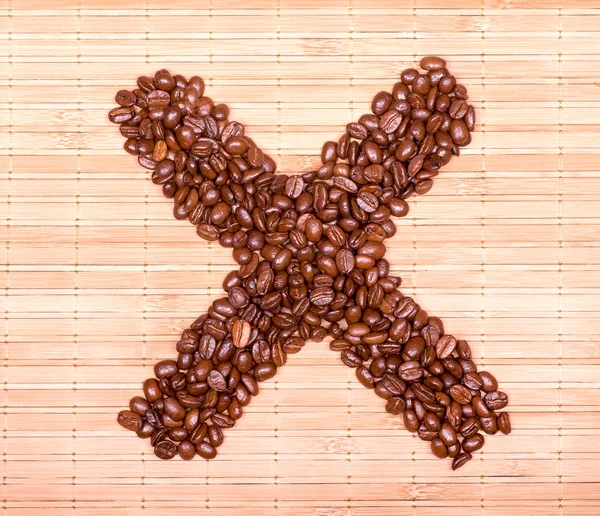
x=312 y=263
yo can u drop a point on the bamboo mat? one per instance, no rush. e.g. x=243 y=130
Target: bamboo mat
x=100 y=279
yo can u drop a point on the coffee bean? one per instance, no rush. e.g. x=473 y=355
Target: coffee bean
x=461 y=460
x=496 y=400
x=489 y=381
x=186 y=450
x=447 y=435
x=265 y=371
x=489 y=424
x=503 y=422
x=439 y=448
x=470 y=427
x=206 y=450
x=165 y=450
x=130 y=420
x=460 y=394
x=473 y=443
x=216 y=381
x=395 y=405
x=241 y=332
x=445 y=346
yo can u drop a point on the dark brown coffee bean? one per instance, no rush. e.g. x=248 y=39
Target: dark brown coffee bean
x=216 y=381
x=130 y=420
x=432 y=63
x=496 y=400
x=186 y=450
x=240 y=333
x=439 y=448
x=480 y=407
x=265 y=371
x=489 y=381
x=472 y=381
x=410 y=371
x=460 y=394
x=411 y=422
x=365 y=377
x=165 y=450
x=461 y=460
x=503 y=422
x=473 y=443
x=447 y=435
x=489 y=424
x=139 y=405
x=470 y=427
x=459 y=132
x=206 y=450
x=395 y=405
x=173 y=409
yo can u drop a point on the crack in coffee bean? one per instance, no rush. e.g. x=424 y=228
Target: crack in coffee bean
x=312 y=262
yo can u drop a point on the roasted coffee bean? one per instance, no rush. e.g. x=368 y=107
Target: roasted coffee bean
x=165 y=450
x=489 y=381
x=411 y=422
x=470 y=427
x=445 y=346
x=264 y=371
x=460 y=394
x=130 y=420
x=473 y=443
x=447 y=434
x=503 y=422
x=496 y=400
x=395 y=405
x=206 y=450
x=439 y=448
x=460 y=460
x=489 y=424
x=186 y=450
x=139 y=405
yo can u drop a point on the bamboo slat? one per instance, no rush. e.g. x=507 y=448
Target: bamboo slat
x=100 y=279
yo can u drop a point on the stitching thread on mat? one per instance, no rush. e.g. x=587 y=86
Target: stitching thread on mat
x=145 y=273
x=349 y=376
x=483 y=215
x=76 y=278
x=7 y=270
x=560 y=258
x=276 y=382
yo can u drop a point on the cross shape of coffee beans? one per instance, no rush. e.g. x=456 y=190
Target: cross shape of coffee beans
x=312 y=263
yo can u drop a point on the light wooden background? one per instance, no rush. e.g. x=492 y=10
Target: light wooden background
x=100 y=279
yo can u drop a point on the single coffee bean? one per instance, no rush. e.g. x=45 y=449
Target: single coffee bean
x=460 y=394
x=445 y=346
x=439 y=448
x=473 y=443
x=265 y=371
x=470 y=427
x=447 y=434
x=411 y=422
x=496 y=400
x=241 y=332
x=165 y=450
x=130 y=420
x=503 y=422
x=461 y=460
x=489 y=424
x=206 y=450
x=186 y=450
x=489 y=382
